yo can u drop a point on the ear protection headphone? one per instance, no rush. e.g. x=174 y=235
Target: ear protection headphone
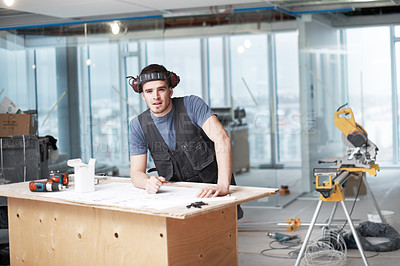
x=137 y=83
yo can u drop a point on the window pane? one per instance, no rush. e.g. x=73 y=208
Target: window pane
x=105 y=102
x=397 y=31
x=216 y=72
x=134 y=99
x=370 y=85
x=288 y=116
x=47 y=92
x=249 y=75
x=14 y=78
x=181 y=56
x=133 y=47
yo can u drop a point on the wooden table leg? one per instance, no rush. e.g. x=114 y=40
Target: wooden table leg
x=208 y=239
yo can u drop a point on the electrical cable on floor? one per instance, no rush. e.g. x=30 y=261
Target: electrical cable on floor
x=288 y=245
x=368 y=257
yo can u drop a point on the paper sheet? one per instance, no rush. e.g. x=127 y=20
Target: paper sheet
x=126 y=195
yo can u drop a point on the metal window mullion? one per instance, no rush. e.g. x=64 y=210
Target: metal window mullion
x=90 y=105
x=395 y=108
x=205 y=78
x=124 y=117
x=272 y=88
x=84 y=104
x=344 y=69
x=36 y=87
x=142 y=61
x=227 y=72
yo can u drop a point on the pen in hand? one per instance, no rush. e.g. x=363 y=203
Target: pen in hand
x=162 y=179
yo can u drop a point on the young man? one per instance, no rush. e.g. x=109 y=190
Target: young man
x=183 y=135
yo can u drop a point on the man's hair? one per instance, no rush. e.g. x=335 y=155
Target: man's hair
x=154 y=68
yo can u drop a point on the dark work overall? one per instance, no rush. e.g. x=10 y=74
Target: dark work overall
x=193 y=159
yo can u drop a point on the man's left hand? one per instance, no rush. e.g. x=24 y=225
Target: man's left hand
x=212 y=191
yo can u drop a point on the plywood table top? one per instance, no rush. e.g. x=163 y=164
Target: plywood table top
x=178 y=210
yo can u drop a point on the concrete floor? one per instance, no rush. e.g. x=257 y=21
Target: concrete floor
x=258 y=221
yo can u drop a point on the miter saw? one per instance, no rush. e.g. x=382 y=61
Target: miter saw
x=361 y=151
x=360 y=157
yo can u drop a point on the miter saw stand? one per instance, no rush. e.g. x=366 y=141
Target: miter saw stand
x=359 y=161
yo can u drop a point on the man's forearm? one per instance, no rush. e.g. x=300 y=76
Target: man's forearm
x=139 y=179
x=215 y=131
x=224 y=161
x=150 y=184
x=138 y=170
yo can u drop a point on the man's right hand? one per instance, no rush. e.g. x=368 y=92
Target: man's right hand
x=154 y=183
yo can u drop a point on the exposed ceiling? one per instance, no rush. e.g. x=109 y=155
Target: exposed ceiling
x=178 y=13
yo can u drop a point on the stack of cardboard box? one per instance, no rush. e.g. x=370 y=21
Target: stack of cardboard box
x=21 y=150
x=13 y=122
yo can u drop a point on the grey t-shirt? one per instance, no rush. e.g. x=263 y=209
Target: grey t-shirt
x=197 y=110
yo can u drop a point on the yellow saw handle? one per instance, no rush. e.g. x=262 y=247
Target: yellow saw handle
x=355 y=133
x=345 y=124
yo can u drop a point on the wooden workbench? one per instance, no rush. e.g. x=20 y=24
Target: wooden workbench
x=51 y=231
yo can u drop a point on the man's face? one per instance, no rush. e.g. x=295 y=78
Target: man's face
x=158 y=97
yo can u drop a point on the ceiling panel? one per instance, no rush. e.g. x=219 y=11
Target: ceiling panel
x=90 y=8
x=51 y=12
x=76 y=8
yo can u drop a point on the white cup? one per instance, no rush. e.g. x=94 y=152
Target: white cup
x=84 y=175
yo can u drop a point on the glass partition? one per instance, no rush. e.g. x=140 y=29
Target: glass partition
x=105 y=101
x=370 y=89
x=250 y=90
x=47 y=96
x=16 y=68
x=288 y=95
x=218 y=95
x=181 y=56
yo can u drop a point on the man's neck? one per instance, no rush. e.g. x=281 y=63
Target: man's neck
x=166 y=112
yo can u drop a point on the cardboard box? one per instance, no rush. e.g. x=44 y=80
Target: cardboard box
x=17 y=124
x=352 y=185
